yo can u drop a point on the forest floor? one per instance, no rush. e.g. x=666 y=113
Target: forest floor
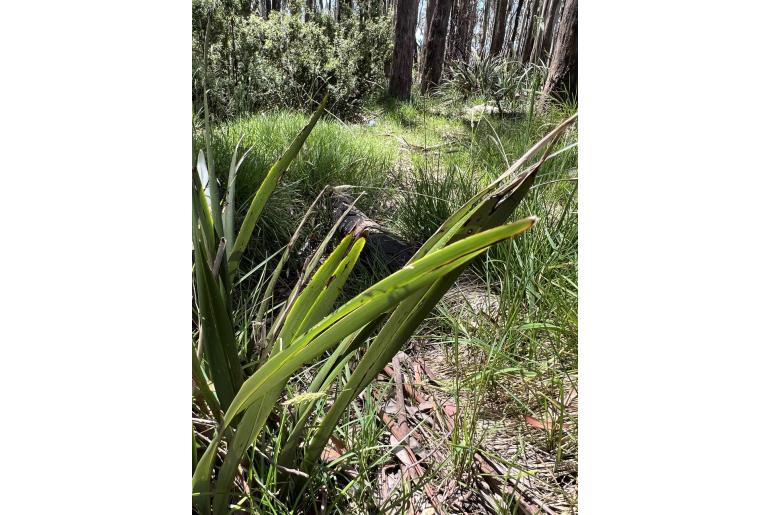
x=478 y=413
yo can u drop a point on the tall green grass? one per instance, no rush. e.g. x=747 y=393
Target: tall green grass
x=334 y=154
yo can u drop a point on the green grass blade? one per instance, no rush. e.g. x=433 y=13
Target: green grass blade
x=305 y=277
x=332 y=288
x=267 y=187
x=248 y=429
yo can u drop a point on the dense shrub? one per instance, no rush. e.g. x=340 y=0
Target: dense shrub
x=257 y=64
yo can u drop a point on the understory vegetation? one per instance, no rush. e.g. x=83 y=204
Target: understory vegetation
x=324 y=380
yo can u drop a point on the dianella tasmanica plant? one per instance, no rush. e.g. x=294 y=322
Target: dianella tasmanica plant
x=242 y=390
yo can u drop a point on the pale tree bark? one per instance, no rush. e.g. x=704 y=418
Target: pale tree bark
x=436 y=45
x=498 y=32
x=525 y=15
x=403 y=49
x=562 y=81
x=484 y=26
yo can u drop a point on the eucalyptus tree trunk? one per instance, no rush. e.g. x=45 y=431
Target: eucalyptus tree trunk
x=436 y=45
x=429 y=10
x=516 y=17
x=537 y=37
x=452 y=32
x=529 y=31
x=463 y=25
x=562 y=81
x=484 y=25
x=550 y=21
x=498 y=32
x=468 y=29
x=555 y=29
x=403 y=49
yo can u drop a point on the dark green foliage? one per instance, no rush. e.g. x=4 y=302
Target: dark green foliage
x=285 y=62
x=504 y=81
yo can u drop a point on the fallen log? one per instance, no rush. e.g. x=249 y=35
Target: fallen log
x=382 y=248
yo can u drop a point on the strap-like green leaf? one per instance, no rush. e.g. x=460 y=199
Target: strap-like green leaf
x=219 y=337
x=320 y=294
x=399 y=326
x=363 y=308
x=266 y=189
x=229 y=208
x=301 y=308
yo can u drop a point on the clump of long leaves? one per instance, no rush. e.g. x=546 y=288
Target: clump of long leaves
x=504 y=81
x=306 y=326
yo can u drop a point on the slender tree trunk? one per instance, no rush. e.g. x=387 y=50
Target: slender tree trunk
x=556 y=21
x=484 y=25
x=469 y=29
x=429 y=10
x=545 y=45
x=453 y=26
x=436 y=45
x=309 y=7
x=562 y=81
x=461 y=36
x=516 y=17
x=403 y=49
x=537 y=37
x=232 y=47
x=498 y=32
x=522 y=28
x=529 y=31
